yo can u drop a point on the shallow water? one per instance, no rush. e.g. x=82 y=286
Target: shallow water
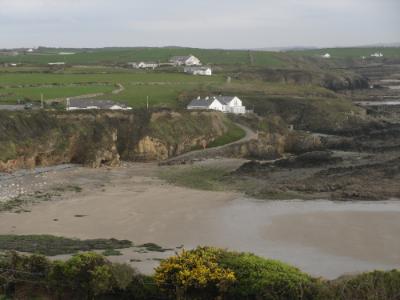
x=323 y=238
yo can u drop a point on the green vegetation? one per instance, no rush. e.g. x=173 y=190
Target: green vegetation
x=234 y=133
x=51 y=245
x=111 y=252
x=202 y=273
x=10 y=95
x=202 y=178
x=194 y=275
x=110 y=56
x=162 y=89
x=151 y=247
x=264 y=278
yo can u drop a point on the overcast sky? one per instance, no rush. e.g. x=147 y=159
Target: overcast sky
x=198 y=23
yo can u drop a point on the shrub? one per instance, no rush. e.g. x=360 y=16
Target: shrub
x=259 y=278
x=377 y=285
x=194 y=274
x=122 y=275
x=86 y=275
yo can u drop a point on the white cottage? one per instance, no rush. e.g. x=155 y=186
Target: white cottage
x=377 y=54
x=227 y=104
x=185 y=61
x=204 y=71
x=143 y=65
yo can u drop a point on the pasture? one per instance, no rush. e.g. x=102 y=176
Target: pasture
x=162 y=89
x=112 y=56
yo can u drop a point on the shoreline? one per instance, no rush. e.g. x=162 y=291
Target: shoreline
x=131 y=202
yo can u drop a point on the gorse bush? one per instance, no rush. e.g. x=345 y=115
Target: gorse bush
x=195 y=274
x=202 y=273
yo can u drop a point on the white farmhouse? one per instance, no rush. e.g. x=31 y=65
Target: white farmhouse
x=185 y=61
x=377 y=54
x=226 y=104
x=143 y=65
x=204 y=71
x=326 y=55
x=58 y=63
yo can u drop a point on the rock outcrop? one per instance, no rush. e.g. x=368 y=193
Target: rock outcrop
x=94 y=139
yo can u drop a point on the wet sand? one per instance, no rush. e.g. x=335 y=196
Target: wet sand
x=321 y=237
x=365 y=235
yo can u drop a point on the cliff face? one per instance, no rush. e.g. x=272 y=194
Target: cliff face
x=171 y=134
x=29 y=139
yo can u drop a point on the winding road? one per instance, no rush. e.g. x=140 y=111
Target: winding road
x=211 y=152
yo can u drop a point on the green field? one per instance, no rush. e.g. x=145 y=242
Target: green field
x=97 y=71
x=124 y=55
x=162 y=89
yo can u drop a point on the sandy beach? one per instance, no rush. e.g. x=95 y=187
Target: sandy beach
x=321 y=237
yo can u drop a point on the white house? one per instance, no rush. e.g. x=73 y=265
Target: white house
x=377 y=54
x=326 y=55
x=58 y=63
x=227 y=104
x=204 y=71
x=143 y=65
x=89 y=104
x=185 y=61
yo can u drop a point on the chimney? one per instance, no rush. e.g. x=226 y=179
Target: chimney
x=198 y=98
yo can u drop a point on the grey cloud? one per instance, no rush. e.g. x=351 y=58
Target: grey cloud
x=206 y=23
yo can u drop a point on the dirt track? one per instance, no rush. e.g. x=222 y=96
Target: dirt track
x=211 y=152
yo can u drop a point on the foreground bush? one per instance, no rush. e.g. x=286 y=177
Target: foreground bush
x=203 y=273
x=84 y=276
x=206 y=273
x=194 y=274
x=259 y=278
x=377 y=285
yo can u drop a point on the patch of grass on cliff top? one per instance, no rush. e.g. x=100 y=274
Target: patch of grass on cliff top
x=51 y=245
x=233 y=134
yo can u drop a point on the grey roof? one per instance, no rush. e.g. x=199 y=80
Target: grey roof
x=206 y=102
x=102 y=104
x=180 y=58
x=201 y=102
x=225 y=99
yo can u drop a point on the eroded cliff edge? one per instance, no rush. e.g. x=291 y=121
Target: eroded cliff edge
x=29 y=139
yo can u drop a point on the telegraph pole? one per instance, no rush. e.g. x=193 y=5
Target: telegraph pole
x=41 y=101
x=147 y=103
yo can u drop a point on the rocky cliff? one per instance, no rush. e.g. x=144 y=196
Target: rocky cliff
x=29 y=139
